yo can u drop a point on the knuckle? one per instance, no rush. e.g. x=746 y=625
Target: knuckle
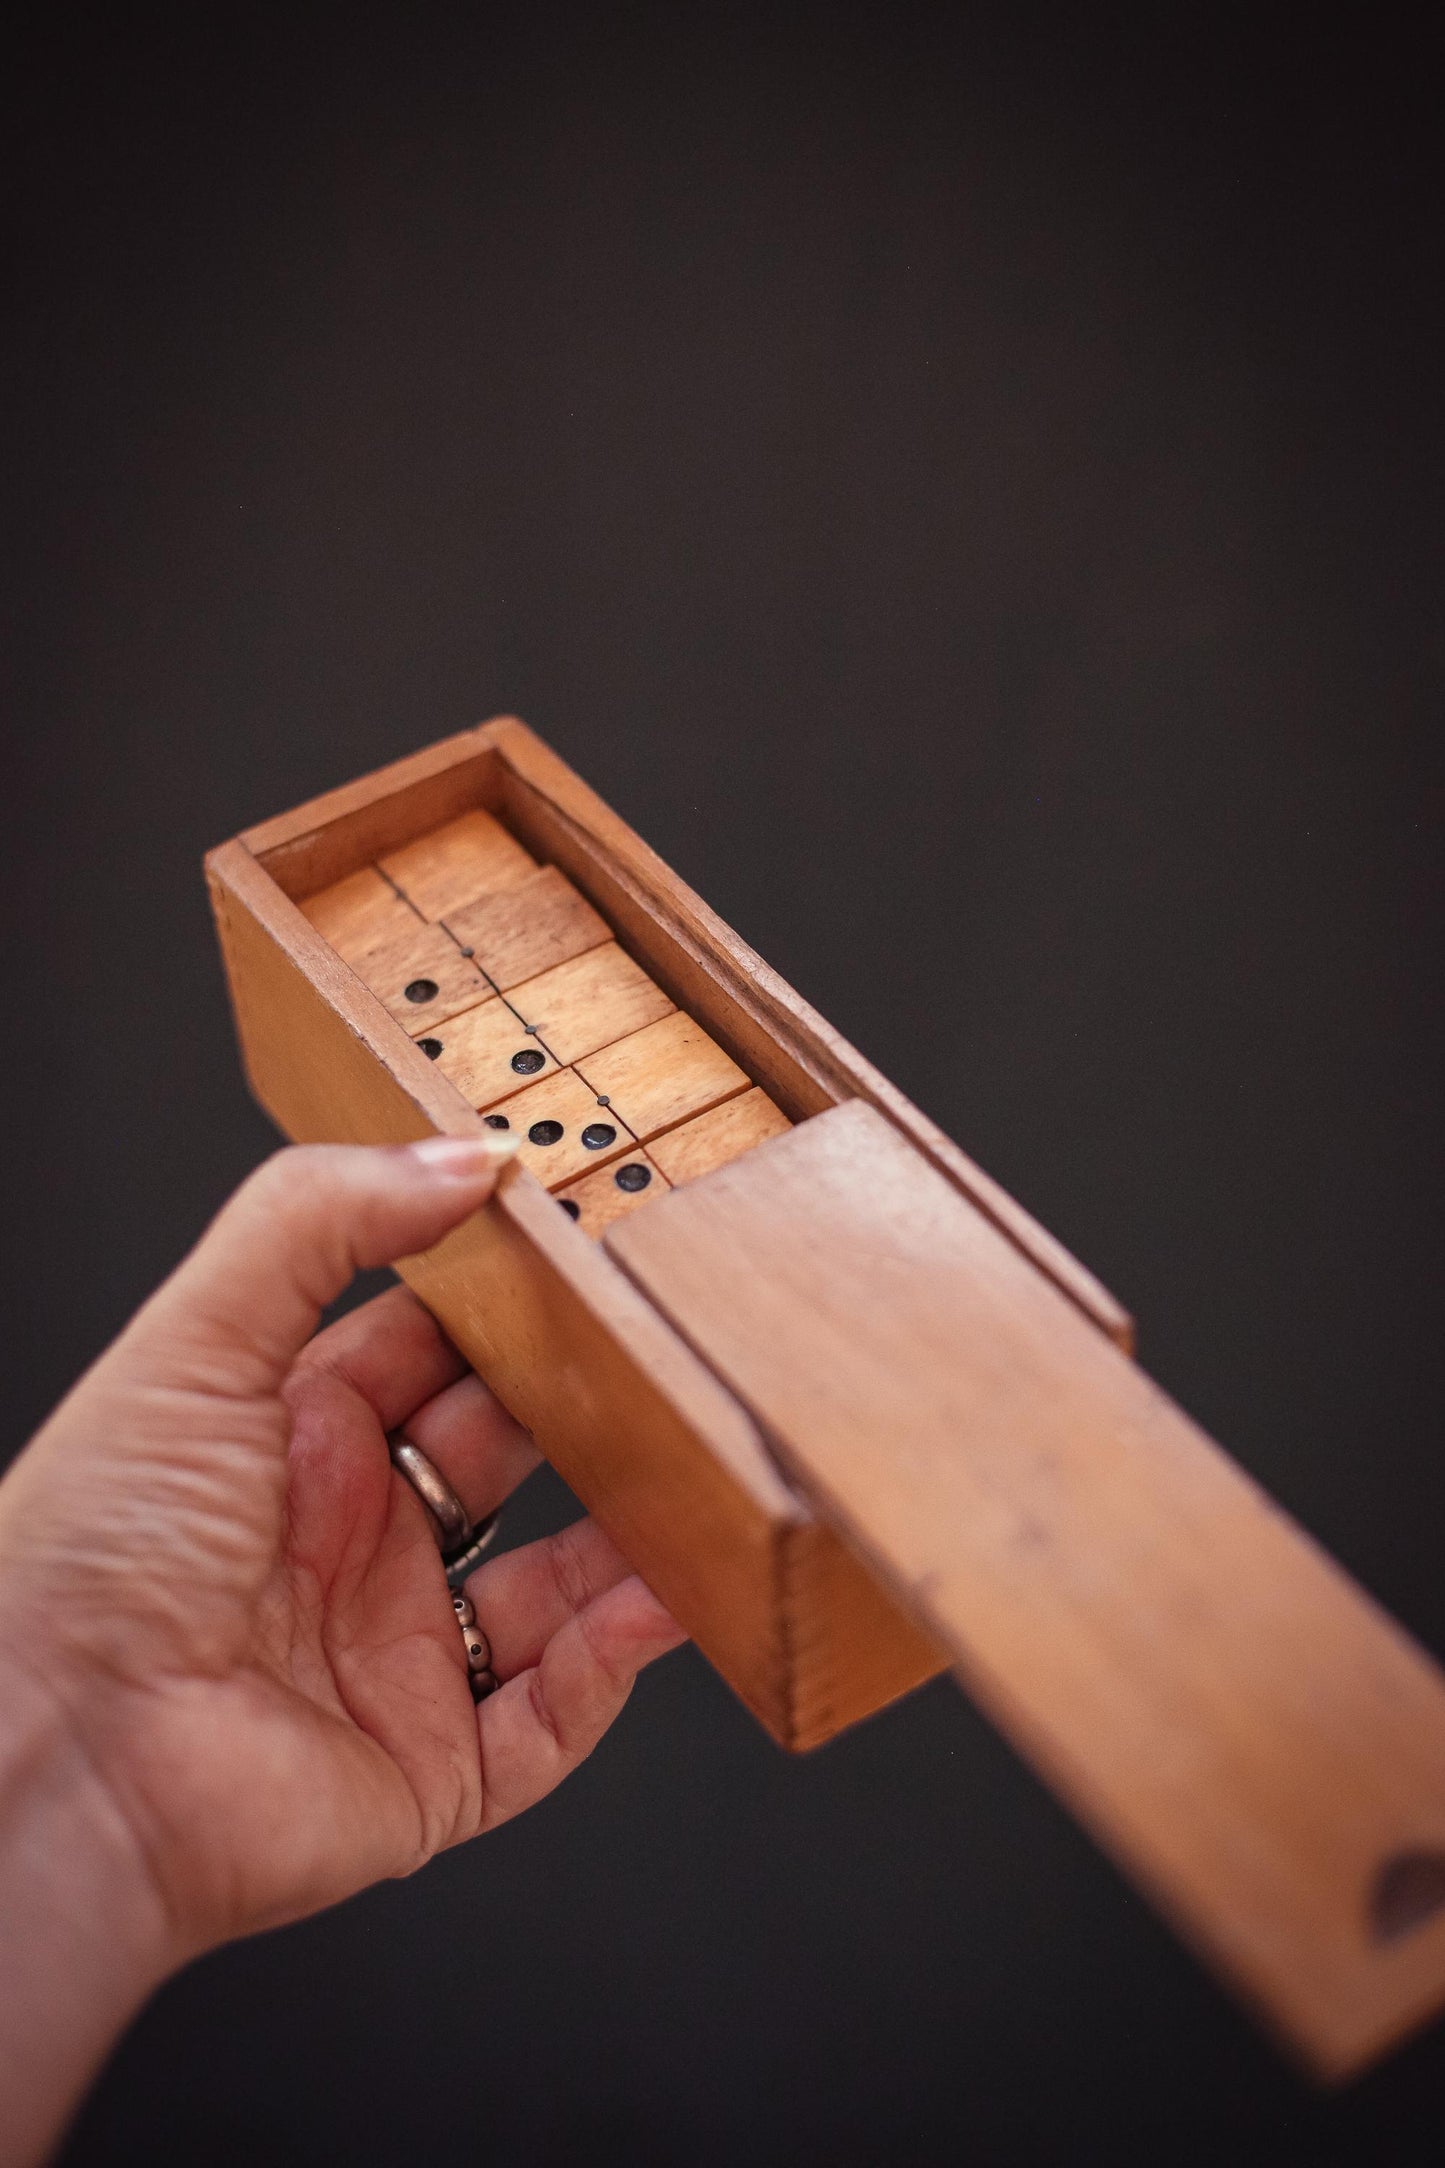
x=568 y=1567
x=543 y=1713
x=283 y=1220
x=606 y=1659
x=284 y=1170
x=283 y=1187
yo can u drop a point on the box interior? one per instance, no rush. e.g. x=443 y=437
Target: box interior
x=503 y=972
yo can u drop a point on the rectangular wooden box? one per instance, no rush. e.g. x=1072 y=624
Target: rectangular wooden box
x=847 y=1408
x=639 y=1428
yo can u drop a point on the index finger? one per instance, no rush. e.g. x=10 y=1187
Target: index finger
x=391 y=1350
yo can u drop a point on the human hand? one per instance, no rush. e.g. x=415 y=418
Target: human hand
x=232 y=1610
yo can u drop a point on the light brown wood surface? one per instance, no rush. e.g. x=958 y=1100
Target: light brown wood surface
x=517 y=932
x=317 y=843
x=663 y=1075
x=753 y=1013
x=1258 y=1745
x=591 y=1002
x=723 y=1133
x=1237 y=1722
x=503 y=766
x=321 y=1053
x=671 y=1466
x=635 y=1425
x=480 y=1050
x=361 y=913
x=450 y=867
x=561 y=1098
x=401 y=968
x=863 y=1658
x=601 y=1198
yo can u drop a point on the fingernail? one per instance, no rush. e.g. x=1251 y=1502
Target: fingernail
x=466 y=1158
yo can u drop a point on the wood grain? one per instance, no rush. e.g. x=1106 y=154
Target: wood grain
x=517 y=932
x=663 y=1075
x=670 y=1466
x=1237 y=1722
x=480 y=1051
x=399 y=970
x=590 y=1002
x=563 y=1101
x=634 y=1424
x=693 y=955
x=441 y=872
x=341 y=831
x=321 y=1053
x=785 y=1045
x=723 y=1133
x=1257 y=1744
x=361 y=913
x=863 y=1658
x=601 y=1198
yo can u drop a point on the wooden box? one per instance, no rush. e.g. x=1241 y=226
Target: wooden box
x=846 y=1407
x=329 y=914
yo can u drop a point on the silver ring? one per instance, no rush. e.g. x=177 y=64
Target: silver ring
x=451 y=1523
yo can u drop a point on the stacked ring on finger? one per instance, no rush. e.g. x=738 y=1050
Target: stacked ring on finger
x=461 y=1543
x=450 y=1521
x=479 y=1649
x=467 y=1561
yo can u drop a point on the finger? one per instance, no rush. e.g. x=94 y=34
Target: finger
x=526 y=1596
x=535 y=1730
x=390 y=1350
x=240 y=1308
x=468 y=1435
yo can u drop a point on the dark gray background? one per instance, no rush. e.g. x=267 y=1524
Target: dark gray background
x=968 y=489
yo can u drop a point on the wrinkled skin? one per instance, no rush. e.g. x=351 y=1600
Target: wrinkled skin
x=223 y=1617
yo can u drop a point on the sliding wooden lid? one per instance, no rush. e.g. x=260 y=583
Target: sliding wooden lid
x=1247 y=1733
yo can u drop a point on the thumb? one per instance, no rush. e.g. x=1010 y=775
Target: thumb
x=293 y=1237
